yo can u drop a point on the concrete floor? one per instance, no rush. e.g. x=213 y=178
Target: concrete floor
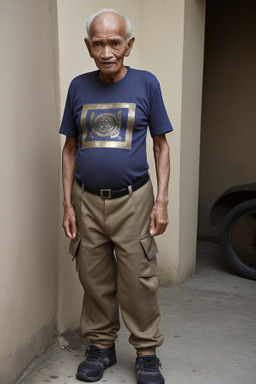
x=209 y=326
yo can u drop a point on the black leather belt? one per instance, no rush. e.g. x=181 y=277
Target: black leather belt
x=114 y=193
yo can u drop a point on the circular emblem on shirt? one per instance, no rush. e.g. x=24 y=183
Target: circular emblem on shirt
x=106 y=124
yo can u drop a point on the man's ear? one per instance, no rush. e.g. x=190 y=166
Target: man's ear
x=88 y=45
x=129 y=46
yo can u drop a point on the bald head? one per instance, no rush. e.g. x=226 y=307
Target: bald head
x=113 y=18
x=108 y=23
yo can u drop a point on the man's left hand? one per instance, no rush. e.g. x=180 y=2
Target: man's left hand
x=158 y=219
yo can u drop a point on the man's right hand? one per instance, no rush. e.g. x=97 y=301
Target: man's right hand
x=69 y=222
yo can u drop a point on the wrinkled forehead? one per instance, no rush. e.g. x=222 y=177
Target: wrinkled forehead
x=108 y=24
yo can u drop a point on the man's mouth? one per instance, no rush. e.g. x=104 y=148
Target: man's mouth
x=107 y=64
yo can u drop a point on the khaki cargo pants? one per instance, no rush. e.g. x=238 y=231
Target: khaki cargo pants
x=116 y=263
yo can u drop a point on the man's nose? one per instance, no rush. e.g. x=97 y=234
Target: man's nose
x=106 y=52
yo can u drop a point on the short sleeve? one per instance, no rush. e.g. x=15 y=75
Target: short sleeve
x=68 y=124
x=159 y=122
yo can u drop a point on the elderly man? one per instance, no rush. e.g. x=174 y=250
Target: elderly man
x=109 y=209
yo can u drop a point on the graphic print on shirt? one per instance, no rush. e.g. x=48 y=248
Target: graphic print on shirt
x=108 y=125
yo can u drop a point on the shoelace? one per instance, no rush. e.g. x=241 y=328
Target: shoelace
x=151 y=364
x=93 y=353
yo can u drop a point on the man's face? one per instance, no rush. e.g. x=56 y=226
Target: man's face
x=108 y=45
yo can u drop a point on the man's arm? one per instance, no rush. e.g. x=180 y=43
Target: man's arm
x=68 y=167
x=159 y=214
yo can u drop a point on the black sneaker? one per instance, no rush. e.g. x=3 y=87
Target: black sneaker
x=148 y=370
x=96 y=361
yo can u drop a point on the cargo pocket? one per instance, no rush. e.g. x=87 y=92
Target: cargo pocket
x=148 y=264
x=148 y=279
x=74 y=248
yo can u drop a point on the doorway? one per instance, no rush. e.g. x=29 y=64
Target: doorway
x=228 y=131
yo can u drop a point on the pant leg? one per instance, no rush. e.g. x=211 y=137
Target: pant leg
x=137 y=269
x=96 y=265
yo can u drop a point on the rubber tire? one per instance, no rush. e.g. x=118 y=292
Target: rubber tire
x=228 y=225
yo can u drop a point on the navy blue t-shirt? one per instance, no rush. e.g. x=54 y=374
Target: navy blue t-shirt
x=110 y=121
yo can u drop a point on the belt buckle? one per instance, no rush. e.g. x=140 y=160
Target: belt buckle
x=105 y=193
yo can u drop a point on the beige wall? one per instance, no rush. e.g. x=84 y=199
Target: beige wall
x=192 y=77
x=29 y=171
x=173 y=51
x=162 y=53
x=228 y=115
x=39 y=57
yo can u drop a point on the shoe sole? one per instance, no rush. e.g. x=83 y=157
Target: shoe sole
x=83 y=377
x=162 y=382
